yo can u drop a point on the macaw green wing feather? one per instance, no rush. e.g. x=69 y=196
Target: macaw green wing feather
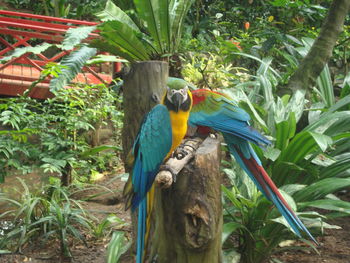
x=219 y=112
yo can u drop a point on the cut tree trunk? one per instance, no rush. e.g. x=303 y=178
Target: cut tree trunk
x=188 y=215
x=143 y=88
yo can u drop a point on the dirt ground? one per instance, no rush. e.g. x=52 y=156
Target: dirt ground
x=334 y=244
x=95 y=251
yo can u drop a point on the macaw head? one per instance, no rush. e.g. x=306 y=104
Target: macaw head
x=178 y=96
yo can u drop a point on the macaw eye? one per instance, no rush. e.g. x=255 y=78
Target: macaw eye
x=183 y=91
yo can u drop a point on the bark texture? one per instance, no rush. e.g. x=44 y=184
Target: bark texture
x=188 y=215
x=144 y=84
x=314 y=62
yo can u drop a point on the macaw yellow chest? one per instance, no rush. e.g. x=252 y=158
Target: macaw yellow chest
x=179 y=128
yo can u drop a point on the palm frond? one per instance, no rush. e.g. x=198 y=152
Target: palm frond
x=74 y=63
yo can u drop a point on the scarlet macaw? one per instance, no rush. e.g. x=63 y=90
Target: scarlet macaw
x=219 y=112
x=160 y=134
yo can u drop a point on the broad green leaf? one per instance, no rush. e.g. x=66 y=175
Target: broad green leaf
x=149 y=11
x=254 y=112
x=105 y=58
x=164 y=24
x=296 y=104
x=116 y=247
x=322 y=140
x=325 y=85
x=339 y=126
x=231 y=196
x=74 y=36
x=284 y=131
x=272 y=153
x=336 y=168
x=326 y=120
x=98 y=149
x=321 y=188
x=328 y=204
x=340 y=104
x=178 y=10
x=228 y=229
x=292 y=188
x=259 y=60
x=301 y=145
x=322 y=160
x=114 y=13
x=120 y=35
x=112 y=48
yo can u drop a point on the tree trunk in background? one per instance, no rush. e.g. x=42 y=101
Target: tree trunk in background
x=188 y=215
x=143 y=85
x=314 y=62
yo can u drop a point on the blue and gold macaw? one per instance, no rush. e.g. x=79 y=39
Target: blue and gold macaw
x=216 y=111
x=160 y=134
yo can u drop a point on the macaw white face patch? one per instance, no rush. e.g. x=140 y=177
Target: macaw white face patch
x=183 y=92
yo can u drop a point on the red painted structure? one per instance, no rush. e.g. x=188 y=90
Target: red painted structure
x=20 y=29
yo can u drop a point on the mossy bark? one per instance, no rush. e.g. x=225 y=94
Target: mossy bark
x=188 y=215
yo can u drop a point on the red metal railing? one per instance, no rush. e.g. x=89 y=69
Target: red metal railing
x=19 y=30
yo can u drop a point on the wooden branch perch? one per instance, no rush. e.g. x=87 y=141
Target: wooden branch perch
x=165 y=178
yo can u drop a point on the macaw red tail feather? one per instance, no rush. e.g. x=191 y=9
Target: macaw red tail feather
x=248 y=160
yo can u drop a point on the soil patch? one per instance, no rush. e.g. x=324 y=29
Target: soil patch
x=107 y=199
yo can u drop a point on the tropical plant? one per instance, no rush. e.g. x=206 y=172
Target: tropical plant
x=116 y=247
x=155 y=35
x=49 y=213
x=55 y=134
x=77 y=9
x=298 y=162
x=46 y=213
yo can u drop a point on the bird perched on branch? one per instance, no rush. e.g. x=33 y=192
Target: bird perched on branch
x=161 y=132
x=219 y=112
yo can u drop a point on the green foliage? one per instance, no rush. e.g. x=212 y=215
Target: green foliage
x=74 y=36
x=55 y=134
x=161 y=20
x=49 y=214
x=77 y=9
x=74 y=64
x=307 y=165
x=116 y=247
x=23 y=50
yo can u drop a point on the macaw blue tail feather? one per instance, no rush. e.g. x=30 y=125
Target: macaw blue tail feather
x=141 y=229
x=249 y=161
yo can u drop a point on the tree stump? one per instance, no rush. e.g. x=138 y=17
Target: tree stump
x=188 y=215
x=143 y=88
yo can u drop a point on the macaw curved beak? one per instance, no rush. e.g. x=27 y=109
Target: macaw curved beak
x=177 y=100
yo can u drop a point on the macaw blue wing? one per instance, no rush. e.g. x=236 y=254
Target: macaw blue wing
x=151 y=146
